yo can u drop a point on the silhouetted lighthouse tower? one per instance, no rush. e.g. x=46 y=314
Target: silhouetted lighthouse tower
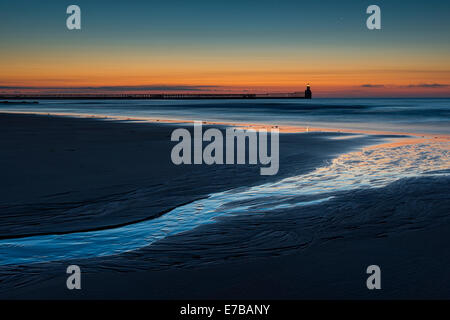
x=308 y=93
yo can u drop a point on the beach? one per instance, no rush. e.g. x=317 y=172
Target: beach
x=73 y=176
x=65 y=160
x=220 y=159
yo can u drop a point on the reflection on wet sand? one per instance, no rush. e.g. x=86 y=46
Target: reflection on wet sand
x=370 y=168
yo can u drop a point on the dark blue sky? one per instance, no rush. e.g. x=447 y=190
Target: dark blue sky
x=262 y=21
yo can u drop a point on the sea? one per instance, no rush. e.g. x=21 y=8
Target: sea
x=398 y=115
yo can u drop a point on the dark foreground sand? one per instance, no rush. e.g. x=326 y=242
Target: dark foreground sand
x=51 y=164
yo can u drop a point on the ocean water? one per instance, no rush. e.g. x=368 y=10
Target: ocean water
x=399 y=115
x=384 y=173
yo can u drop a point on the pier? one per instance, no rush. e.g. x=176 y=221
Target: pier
x=159 y=96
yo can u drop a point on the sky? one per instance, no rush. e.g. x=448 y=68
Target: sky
x=219 y=46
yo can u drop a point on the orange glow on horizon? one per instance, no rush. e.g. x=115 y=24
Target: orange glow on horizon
x=337 y=73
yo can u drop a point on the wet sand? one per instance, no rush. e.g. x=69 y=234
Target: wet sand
x=414 y=266
x=51 y=165
x=54 y=164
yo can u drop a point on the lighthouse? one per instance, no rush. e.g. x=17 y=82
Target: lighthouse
x=308 y=93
